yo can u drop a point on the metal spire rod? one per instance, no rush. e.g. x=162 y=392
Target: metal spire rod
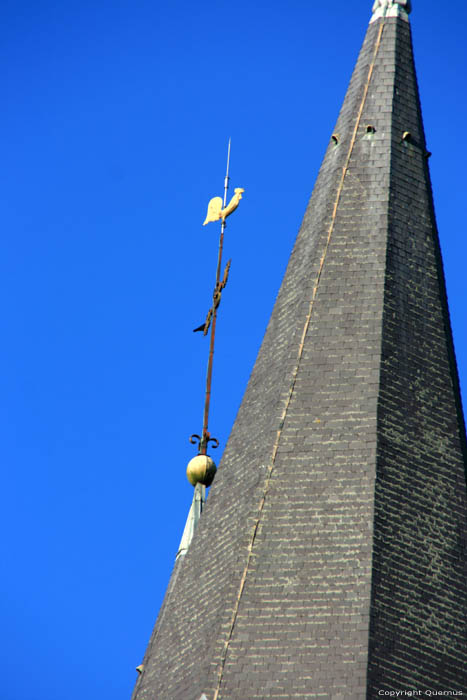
x=205 y=434
x=217 y=210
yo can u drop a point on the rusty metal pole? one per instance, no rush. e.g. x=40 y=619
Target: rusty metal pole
x=205 y=434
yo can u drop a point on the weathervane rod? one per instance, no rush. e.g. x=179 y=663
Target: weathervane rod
x=218 y=210
x=226 y=181
x=207 y=402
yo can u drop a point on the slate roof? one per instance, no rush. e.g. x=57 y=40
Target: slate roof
x=330 y=561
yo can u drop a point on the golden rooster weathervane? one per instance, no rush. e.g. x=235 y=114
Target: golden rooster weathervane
x=218 y=210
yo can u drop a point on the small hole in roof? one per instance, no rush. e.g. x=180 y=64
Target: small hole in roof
x=370 y=129
x=335 y=139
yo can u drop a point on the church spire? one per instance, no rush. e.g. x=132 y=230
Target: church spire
x=331 y=556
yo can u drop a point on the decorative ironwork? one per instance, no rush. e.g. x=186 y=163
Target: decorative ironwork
x=217 y=211
x=203 y=442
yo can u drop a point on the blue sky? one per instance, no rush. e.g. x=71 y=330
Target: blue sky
x=114 y=129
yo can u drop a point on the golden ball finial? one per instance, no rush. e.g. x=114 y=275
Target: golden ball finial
x=201 y=470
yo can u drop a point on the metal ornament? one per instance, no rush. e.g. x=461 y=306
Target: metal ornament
x=215 y=210
x=218 y=210
x=391 y=8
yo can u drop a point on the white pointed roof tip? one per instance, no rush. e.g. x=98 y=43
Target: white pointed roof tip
x=203 y=697
x=194 y=514
x=391 y=8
